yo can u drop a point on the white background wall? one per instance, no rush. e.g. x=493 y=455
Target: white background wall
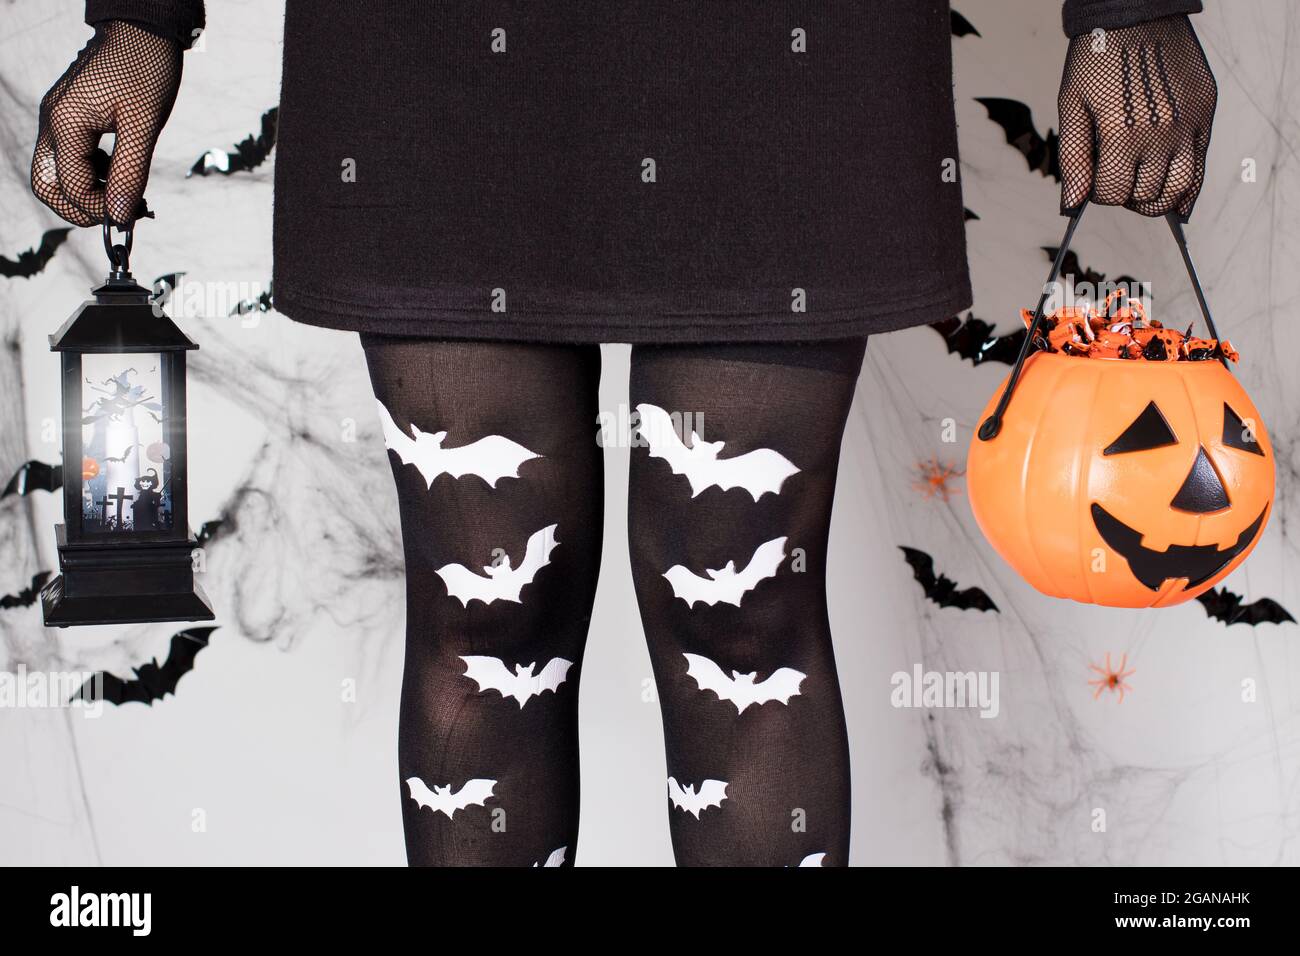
x=257 y=736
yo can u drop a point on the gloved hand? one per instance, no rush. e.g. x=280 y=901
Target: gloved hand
x=1136 y=105
x=124 y=82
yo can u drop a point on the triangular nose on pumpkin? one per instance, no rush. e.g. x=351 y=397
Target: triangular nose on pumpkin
x=1202 y=490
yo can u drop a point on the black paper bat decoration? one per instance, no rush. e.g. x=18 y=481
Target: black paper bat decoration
x=961 y=27
x=163 y=287
x=1071 y=266
x=968 y=214
x=152 y=681
x=32 y=261
x=122 y=460
x=249 y=153
x=1017 y=122
x=209 y=531
x=975 y=339
x=941 y=589
x=1223 y=605
x=34 y=476
x=27 y=596
x=263 y=303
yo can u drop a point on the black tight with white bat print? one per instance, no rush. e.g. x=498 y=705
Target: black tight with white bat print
x=488 y=746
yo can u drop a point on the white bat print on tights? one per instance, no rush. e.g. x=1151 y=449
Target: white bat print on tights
x=742 y=689
x=490 y=458
x=441 y=799
x=491 y=673
x=726 y=583
x=555 y=859
x=711 y=793
x=503 y=582
x=759 y=471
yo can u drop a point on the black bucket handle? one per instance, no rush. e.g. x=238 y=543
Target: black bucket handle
x=990 y=427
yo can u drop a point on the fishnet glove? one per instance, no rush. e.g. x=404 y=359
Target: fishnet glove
x=124 y=82
x=1136 y=107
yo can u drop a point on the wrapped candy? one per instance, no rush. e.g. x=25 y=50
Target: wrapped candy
x=1121 y=329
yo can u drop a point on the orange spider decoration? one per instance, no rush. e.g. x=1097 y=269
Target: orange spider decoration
x=934 y=477
x=1112 y=680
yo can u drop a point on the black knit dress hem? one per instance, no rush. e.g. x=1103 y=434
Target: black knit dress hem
x=883 y=313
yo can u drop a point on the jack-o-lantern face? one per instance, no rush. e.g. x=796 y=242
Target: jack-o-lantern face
x=1126 y=483
x=1201 y=493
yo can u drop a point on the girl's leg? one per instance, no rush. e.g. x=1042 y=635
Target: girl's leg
x=499 y=483
x=732 y=593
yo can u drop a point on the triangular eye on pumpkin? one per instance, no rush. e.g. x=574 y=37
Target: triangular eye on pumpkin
x=1149 y=430
x=1235 y=432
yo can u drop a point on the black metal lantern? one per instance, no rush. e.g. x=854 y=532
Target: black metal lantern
x=125 y=547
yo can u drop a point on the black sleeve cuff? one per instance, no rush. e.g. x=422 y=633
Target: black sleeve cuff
x=1084 y=16
x=179 y=20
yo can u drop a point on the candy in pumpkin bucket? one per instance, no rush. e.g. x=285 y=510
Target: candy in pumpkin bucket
x=1120 y=329
x=1121 y=463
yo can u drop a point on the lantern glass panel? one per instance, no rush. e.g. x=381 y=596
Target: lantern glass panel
x=126 y=456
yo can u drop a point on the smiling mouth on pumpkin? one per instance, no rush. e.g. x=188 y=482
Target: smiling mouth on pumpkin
x=1198 y=563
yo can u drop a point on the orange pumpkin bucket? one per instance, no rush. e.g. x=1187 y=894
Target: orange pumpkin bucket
x=1124 y=473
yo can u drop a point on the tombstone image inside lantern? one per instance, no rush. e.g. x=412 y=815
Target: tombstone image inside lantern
x=125 y=547
x=124 y=445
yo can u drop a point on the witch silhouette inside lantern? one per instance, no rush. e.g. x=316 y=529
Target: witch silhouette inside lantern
x=125 y=547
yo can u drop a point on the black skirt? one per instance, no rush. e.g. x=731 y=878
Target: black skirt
x=658 y=171
x=648 y=171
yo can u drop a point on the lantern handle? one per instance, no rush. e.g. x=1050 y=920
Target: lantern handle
x=990 y=427
x=119 y=255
